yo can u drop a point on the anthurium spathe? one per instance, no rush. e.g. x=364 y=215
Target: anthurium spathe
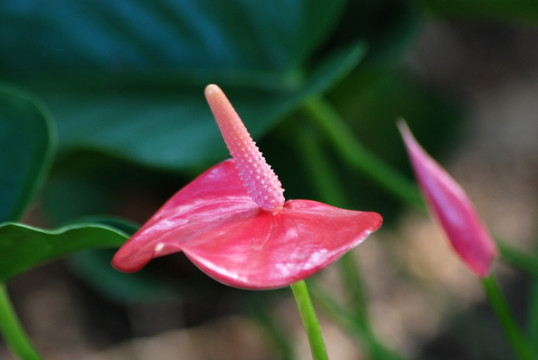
x=452 y=209
x=234 y=223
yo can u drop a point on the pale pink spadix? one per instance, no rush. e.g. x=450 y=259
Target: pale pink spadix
x=259 y=179
x=452 y=209
x=233 y=223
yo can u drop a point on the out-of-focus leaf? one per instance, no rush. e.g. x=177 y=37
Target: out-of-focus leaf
x=506 y=10
x=203 y=39
x=175 y=129
x=126 y=77
x=95 y=269
x=27 y=146
x=23 y=247
x=389 y=27
x=373 y=98
x=94 y=195
x=370 y=100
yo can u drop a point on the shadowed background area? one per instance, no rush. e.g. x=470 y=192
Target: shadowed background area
x=124 y=83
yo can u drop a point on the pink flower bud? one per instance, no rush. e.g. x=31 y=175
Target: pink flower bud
x=452 y=209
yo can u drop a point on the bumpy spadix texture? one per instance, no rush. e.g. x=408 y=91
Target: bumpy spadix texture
x=260 y=180
x=217 y=223
x=452 y=209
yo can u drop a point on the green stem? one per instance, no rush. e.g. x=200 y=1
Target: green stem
x=359 y=156
x=12 y=331
x=533 y=303
x=533 y=313
x=310 y=320
x=519 y=343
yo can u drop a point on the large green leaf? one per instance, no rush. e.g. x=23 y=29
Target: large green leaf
x=126 y=77
x=176 y=129
x=23 y=247
x=27 y=148
x=194 y=39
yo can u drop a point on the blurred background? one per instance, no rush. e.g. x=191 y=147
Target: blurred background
x=124 y=80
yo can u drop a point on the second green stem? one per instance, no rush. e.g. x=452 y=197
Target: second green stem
x=519 y=343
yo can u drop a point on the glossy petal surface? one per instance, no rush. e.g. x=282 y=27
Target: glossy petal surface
x=451 y=207
x=220 y=228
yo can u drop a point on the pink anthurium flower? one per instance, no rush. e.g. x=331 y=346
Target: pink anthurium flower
x=235 y=225
x=452 y=209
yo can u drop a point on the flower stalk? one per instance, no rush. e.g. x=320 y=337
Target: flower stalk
x=310 y=320
x=12 y=330
x=519 y=343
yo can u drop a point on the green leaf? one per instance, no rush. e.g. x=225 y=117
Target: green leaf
x=378 y=95
x=525 y=11
x=194 y=39
x=126 y=77
x=175 y=129
x=143 y=286
x=27 y=144
x=23 y=247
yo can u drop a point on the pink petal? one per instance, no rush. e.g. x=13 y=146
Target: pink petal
x=215 y=196
x=215 y=222
x=451 y=208
x=274 y=250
